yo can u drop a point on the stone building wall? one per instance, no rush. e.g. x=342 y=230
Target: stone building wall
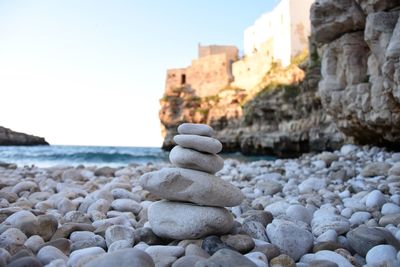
x=209 y=74
x=229 y=50
x=176 y=78
x=250 y=70
x=287 y=25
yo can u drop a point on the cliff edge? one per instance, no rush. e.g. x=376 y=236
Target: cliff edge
x=11 y=138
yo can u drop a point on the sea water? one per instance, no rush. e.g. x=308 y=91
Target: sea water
x=47 y=156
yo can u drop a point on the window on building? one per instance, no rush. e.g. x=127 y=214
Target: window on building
x=183 y=79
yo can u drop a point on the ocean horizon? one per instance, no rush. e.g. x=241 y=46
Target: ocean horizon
x=113 y=156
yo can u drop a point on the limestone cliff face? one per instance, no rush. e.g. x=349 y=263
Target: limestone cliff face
x=11 y=138
x=283 y=118
x=359 y=42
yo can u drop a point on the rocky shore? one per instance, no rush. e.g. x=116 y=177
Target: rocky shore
x=328 y=209
x=11 y=138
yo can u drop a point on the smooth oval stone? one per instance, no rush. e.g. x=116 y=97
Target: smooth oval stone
x=199 y=143
x=48 y=253
x=187 y=221
x=382 y=255
x=85 y=239
x=333 y=257
x=28 y=261
x=192 y=186
x=119 y=244
x=226 y=257
x=195 y=250
x=125 y=257
x=25 y=221
x=363 y=238
x=164 y=254
x=212 y=244
x=288 y=236
x=255 y=229
x=62 y=244
x=282 y=260
x=147 y=236
x=86 y=254
x=48 y=225
x=34 y=243
x=192 y=159
x=12 y=240
x=128 y=205
x=258 y=258
x=194 y=128
x=119 y=232
x=375 y=199
x=241 y=243
x=186 y=261
x=66 y=229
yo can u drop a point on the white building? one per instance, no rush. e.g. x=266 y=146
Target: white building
x=282 y=33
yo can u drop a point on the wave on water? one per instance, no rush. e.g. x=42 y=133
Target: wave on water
x=45 y=156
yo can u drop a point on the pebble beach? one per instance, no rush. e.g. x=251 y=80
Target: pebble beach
x=338 y=208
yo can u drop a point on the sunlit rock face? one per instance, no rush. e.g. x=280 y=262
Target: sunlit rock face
x=359 y=45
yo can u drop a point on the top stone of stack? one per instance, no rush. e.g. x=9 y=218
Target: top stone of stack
x=196 y=129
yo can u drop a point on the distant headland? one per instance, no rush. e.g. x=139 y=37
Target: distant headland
x=11 y=138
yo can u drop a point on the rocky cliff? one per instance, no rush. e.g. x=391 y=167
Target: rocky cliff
x=359 y=43
x=11 y=138
x=283 y=116
x=350 y=90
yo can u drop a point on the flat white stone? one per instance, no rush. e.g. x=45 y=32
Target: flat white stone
x=390 y=208
x=187 y=221
x=192 y=186
x=359 y=217
x=192 y=159
x=119 y=232
x=49 y=253
x=77 y=256
x=197 y=129
x=333 y=257
x=124 y=257
x=375 y=199
x=300 y=213
x=199 y=143
x=381 y=255
x=325 y=220
x=290 y=238
x=328 y=236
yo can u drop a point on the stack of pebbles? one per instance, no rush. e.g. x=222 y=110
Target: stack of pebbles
x=194 y=197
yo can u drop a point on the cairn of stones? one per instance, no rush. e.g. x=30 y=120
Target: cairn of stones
x=194 y=199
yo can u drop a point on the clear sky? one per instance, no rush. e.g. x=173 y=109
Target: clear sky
x=91 y=72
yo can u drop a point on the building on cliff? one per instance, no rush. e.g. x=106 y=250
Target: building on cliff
x=282 y=33
x=277 y=36
x=207 y=74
